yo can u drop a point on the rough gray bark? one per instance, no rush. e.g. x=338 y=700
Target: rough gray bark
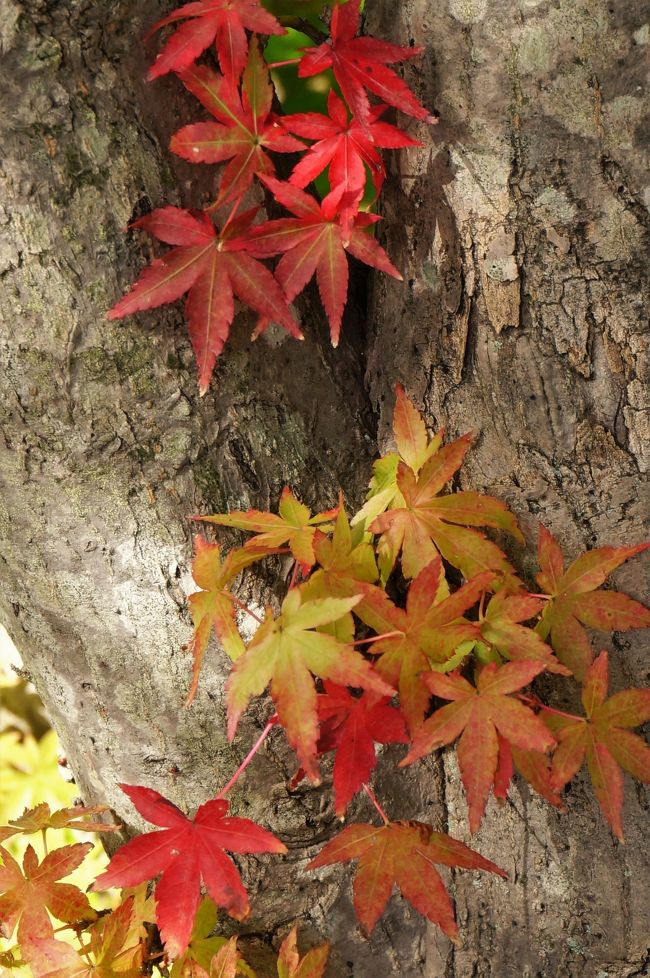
x=521 y=225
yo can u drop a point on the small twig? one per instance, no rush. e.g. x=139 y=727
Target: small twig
x=283 y=64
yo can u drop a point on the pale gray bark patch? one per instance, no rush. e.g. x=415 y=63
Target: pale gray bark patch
x=521 y=227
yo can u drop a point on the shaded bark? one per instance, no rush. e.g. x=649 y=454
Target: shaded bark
x=521 y=225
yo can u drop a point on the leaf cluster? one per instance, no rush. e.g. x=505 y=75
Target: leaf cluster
x=402 y=624
x=214 y=266
x=406 y=623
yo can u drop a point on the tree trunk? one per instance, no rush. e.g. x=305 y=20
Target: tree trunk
x=521 y=227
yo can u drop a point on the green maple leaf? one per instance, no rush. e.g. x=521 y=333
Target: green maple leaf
x=294 y=526
x=343 y=560
x=287 y=652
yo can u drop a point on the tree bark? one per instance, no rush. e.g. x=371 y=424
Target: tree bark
x=521 y=225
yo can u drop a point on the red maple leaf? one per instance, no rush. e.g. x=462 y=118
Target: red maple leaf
x=401 y=854
x=245 y=130
x=186 y=851
x=578 y=601
x=359 y=63
x=345 y=145
x=477 y=714
x=603 y=738
x=316 y=240
x=205 y=266
x=350 y=726
x=534 y=767
x=424 y=633
x=207 y=21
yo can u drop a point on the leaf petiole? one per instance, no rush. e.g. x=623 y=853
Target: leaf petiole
x=294 y=575
x=377 y=638
x=244 y=607
x=249 y=757
x=282 y=64
x=534 y=701
x=381 y=811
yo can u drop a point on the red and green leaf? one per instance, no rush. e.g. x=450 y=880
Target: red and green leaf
x=213 y=606
x=412 y=518
x=428 y=631
x=287 y=652
x=577 y=600
x=109 y=952
x=291 y=965
x=401 y=854
x=604 y=740
x=294 y=525
x=500 y=629
x=478 y=715
x=204 y=944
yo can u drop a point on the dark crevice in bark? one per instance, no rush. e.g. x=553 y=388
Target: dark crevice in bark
x=617 y=180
